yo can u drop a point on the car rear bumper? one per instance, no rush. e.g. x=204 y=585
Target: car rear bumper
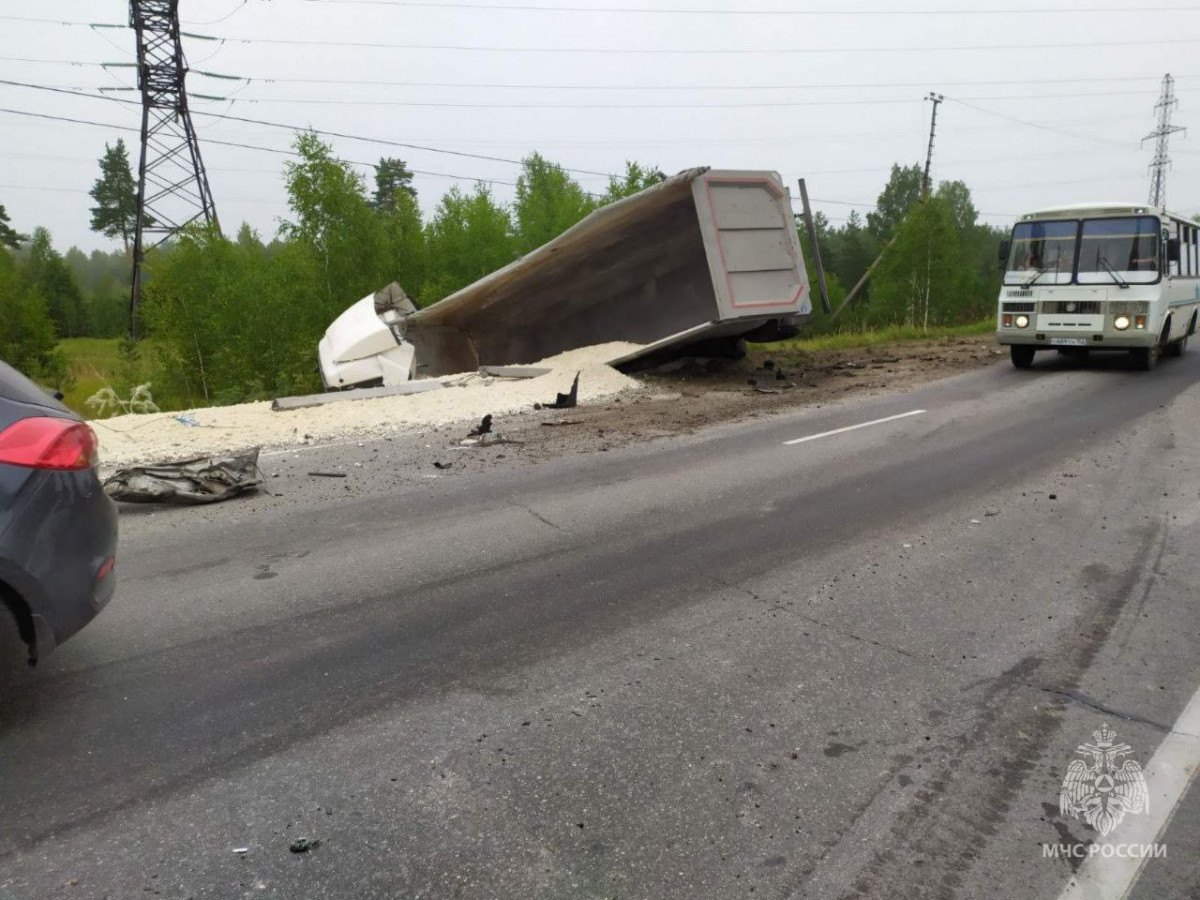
x=57 y=551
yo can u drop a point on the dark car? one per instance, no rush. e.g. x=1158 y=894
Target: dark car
x=58 y=530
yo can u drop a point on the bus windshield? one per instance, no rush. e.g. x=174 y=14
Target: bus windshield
x=1127 y=246
x=1042 y=253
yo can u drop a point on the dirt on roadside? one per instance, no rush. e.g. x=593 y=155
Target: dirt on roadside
x=685 y=396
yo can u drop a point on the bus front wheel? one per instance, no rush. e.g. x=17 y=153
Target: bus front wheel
x=1145 y=358
x=1022 y=355
x=1178 y=347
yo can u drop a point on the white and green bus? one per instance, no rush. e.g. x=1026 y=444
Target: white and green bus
x=1105 y=276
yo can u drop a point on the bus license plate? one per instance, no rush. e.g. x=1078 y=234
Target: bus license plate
x=1068 y=342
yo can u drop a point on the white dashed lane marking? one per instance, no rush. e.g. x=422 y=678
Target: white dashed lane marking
x=824 y=434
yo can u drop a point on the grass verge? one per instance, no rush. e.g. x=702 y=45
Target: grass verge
x=95 y=363
x=895 y=334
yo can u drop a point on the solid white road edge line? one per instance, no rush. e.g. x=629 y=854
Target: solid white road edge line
x=813 y=437
x=1167 y=778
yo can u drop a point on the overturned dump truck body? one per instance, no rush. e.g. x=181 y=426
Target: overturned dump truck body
x=706 y=254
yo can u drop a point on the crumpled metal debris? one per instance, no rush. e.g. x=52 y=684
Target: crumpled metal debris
x=206 y=479
x=564 y=401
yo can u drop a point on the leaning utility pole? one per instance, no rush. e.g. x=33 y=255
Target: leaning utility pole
x=936 y=99
x=1161 y=136
x=173 y=187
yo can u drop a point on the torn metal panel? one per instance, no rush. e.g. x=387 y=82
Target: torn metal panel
x=208 y=479
x=283 y=404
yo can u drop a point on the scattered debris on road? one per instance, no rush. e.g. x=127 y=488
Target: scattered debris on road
x=206 y=479
x=568 y=400
x=303 y=845
x=327 y=474
x=484 y=426
x=438 y=464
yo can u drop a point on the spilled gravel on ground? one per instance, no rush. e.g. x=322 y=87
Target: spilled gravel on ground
x=141 y=438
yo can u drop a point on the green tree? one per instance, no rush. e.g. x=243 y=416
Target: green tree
x=103 y=279
x=635 y=178
x=231 y=321
x=957 y=197
x=469 y=236
x=8 y=235
x=392 y=177
x=924 y=279
x=900 y=194
x=406 y=241
x=115 y=193
x=334 y=220
x=27 y=340
x=548 y=202
x=44 y=269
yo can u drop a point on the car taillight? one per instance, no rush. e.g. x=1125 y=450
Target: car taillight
x=45 y=442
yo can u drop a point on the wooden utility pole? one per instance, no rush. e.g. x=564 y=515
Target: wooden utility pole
x=858 y=286
x=936 y=99
x=816 y=246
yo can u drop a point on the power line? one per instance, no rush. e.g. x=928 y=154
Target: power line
x=331 y=101
x=225 y=143
x=851 y=137
x=867 y=85
x=767 y=104
x=707 y=51
x=510 y=7
x=294 y=128
x=1051 y=128
x=668 y=51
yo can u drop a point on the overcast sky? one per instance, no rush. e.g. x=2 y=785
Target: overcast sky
x=836 y=97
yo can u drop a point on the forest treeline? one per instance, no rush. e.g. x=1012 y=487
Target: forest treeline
x=226 y=318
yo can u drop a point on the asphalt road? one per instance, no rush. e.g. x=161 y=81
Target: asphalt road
x=716 y=666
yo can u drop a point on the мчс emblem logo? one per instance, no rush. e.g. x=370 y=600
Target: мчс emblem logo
x=1105 y=785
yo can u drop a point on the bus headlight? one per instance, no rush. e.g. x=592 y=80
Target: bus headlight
x=1022 y=321
x=1121 y=323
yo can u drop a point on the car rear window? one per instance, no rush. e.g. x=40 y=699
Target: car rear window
x=15 y=386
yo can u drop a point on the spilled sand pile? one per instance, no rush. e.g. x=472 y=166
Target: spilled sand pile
x=154 y=437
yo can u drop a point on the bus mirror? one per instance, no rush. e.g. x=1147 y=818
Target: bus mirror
x=1004 y=247
x=1173 y=250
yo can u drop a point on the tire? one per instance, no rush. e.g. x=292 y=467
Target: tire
x=14 y=652
x=1144 y=358
x=1022 y=355
x=1176 y=348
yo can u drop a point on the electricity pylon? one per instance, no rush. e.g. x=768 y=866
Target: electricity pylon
x=173 y=187
x=1161 y=136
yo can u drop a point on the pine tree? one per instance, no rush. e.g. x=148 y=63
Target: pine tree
x=115 y=193
x=392 y=176
x=8 y=235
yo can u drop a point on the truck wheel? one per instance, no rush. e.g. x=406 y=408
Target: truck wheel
x=1144 y=358
x=1176 y=348
x=14 y=652
x=1022 y=355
